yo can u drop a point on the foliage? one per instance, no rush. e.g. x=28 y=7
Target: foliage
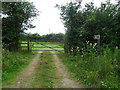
x=29 y=36
x=83 y=23
x=53 y=37
x=49 y=37
x=95 y=72
x=17 y=17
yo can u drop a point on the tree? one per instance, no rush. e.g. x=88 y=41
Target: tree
x=71 y=20
x=53 y=37
x=17 y=18
x=103 y=21
x=83 y=23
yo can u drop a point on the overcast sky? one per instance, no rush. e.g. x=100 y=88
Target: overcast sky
x=49 y=19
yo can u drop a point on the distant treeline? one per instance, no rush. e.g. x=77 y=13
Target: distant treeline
x=49 y=37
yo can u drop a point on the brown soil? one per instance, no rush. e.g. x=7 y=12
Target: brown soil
x=64 y=78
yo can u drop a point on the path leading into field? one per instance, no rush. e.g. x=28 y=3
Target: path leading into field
x=64 y=78
x=25 y=79
x=27 y=76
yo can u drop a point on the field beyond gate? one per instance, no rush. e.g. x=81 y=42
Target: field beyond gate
x=42 y=46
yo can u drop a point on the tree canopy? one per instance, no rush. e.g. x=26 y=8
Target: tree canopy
x=48 y=37
x=17 y=17
x=83 y=23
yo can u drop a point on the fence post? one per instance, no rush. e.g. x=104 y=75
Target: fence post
x=28 y=44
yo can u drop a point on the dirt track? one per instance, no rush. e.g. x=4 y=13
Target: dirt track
x=65 y=80
x=24 y=80
x=26 y=77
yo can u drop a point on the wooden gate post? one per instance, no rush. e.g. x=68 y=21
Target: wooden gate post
x=28 y=44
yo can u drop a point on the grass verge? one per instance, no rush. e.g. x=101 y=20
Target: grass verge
x=13 y=63
x=45 y=72
x=95 y=72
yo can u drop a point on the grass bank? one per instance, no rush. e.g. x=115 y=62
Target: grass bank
x=13 y=63
x=45 y=72
x=95 y=72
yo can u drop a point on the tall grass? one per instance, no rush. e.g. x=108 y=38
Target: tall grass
x=95 y=71
x=12 y=64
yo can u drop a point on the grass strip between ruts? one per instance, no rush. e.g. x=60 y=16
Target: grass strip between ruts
x=45 y=72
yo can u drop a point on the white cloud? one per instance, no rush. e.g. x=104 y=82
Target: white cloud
x=50 y=17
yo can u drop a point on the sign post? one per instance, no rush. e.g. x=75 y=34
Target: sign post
x=98 y=43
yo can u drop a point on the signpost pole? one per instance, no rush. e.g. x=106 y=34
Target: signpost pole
x=98 y=43
x=98 y=46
